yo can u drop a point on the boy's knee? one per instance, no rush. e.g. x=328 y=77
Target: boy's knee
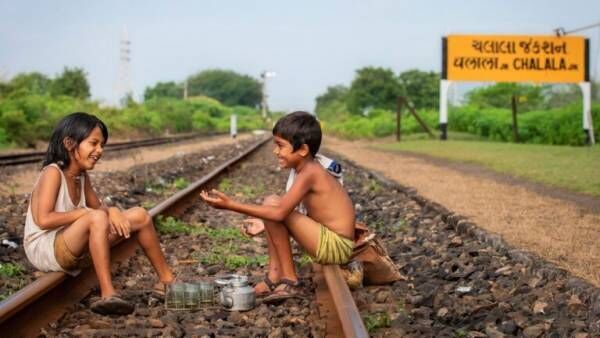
x=272 y=200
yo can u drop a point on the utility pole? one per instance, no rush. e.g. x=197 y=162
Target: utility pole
x=185 y=90
x=263 y=102
x=124 y=89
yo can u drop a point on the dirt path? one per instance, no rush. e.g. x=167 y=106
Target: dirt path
x=20 y=180
x=559 y=229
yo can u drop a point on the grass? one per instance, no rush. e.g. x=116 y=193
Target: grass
x=375 y=321
x=225 y=185
x=573 y=168
x=460 y=333
x=223 y=233
x=170 y=225
x=228 y=256
x=180 y=183
x=249 y=191
x=161 y=187
x=10 y=270
x=225 y=248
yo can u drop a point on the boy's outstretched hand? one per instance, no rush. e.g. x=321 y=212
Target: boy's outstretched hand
x=218 y=199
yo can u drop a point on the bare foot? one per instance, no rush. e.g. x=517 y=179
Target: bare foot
x=253 y=227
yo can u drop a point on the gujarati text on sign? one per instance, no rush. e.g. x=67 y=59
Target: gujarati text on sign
x=505 y=58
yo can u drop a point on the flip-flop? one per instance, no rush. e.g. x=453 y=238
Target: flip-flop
x=287 y=289
x=113 y=305
x=270 y=285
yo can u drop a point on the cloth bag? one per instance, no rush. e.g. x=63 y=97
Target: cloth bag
x=378 y=267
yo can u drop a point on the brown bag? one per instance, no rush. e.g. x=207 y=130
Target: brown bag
x=378 y=267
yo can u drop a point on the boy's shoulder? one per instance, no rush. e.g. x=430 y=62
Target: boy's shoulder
x=314 y=174
x=314 y=169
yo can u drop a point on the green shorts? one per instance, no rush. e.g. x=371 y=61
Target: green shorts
x=333 y=248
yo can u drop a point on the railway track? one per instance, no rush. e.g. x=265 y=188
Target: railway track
x=461 y=281
x=38 y=156
x=48 y=298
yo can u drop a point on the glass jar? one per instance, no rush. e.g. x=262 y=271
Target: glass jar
x=192 y=295
x=207 y=293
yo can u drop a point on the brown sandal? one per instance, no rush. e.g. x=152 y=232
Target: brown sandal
x=270 y=285
x=285 y=290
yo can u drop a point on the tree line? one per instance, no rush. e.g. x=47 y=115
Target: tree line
x=32 y=103
x=366 y=107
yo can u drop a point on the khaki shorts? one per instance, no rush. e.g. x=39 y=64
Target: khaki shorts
x=65 y=258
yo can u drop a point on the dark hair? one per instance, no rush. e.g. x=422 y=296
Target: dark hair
x=77 y=127
x=300 y=128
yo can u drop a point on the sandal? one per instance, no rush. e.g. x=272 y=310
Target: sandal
x=113 y=305
x=270 y=286
x=286 y=289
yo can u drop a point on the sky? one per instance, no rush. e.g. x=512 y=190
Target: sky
x=309 y=44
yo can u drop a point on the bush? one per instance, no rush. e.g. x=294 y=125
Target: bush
x=379 y=123
x=560 y=126
x=24 y=120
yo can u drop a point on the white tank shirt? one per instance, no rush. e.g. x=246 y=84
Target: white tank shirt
x=38 y=243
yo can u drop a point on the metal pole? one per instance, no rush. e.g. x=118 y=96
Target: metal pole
x=514 y=119
x=398 y=117
x=263 y=102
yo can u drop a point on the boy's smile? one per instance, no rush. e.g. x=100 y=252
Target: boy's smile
x=286 y=156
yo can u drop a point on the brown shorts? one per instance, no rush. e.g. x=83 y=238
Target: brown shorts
x=65 y=258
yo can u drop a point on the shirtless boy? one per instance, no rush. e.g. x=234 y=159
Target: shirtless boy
x=325 y=232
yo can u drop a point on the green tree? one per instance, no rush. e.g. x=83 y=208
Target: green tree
x=421 y=88
x=499 y=95
x=332 y=103
x=72 y=82
x=373 y=87
x=164 y=89
x=33 y=83
x=556 y=96
x=228 y=87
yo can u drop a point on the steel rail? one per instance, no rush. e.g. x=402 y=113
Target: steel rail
x=348 y=315
x=32 y=157
x=49 y=297
x=46 y=299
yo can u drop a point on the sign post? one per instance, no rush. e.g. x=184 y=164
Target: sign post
x=515 y=58
x=233 y=126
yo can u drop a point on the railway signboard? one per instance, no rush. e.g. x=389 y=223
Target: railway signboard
x=516 y=58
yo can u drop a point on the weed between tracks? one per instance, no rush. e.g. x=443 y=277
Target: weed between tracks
x=10 y=269
x=377 y=320
x=227 y=243
x=162 y=187
x=242 y=190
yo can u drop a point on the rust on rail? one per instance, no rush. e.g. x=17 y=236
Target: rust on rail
x=50 y=296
